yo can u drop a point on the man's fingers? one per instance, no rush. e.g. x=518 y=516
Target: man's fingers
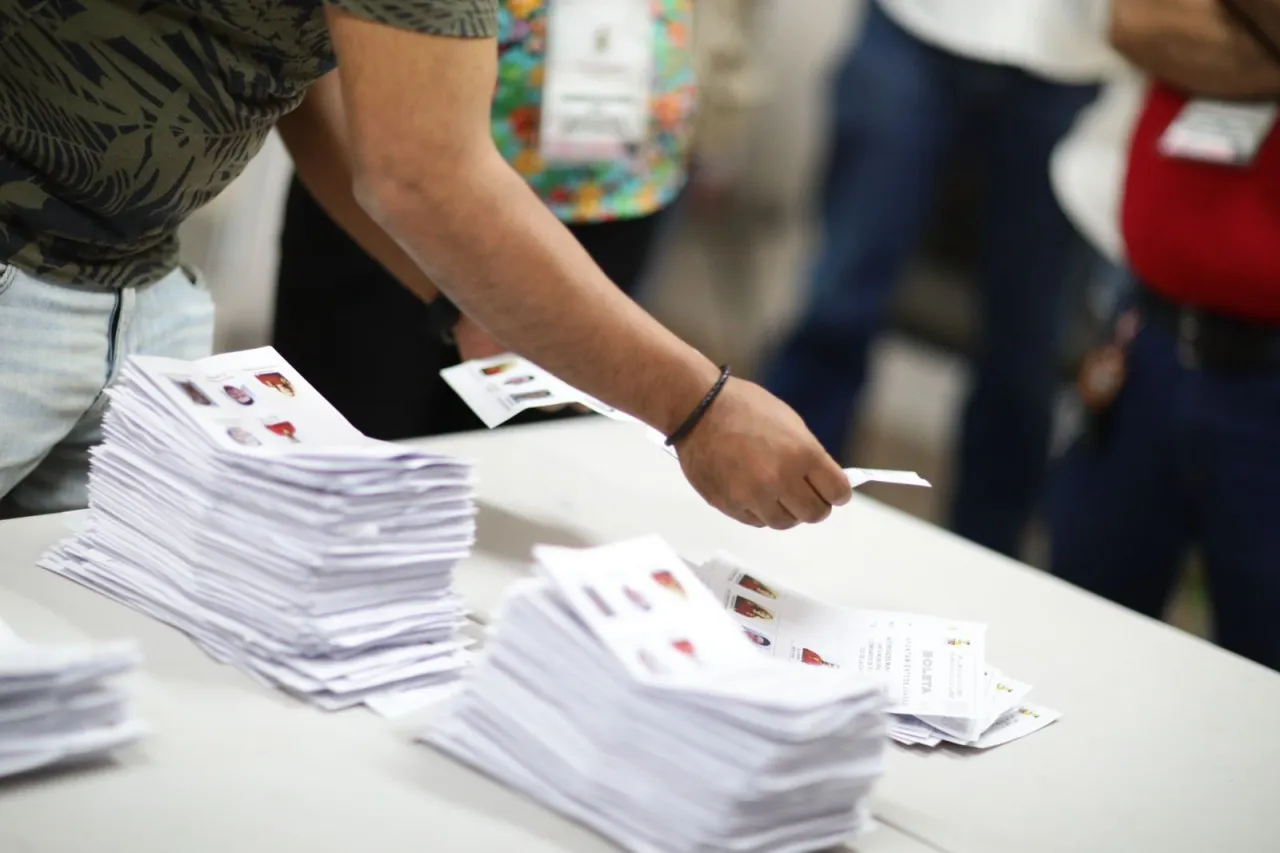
x=775 y=515
x=830 y=482
x=806 y=504
x=745 y=516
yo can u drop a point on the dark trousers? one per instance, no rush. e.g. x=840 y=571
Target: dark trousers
x=362 y=338
x=900 y=107
x=1185 y=461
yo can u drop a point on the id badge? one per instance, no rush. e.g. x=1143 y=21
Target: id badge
x=599 y=70
x=1222 y=132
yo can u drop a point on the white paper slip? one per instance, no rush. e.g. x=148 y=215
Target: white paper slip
x=931 y=666
x=647 y=606
x=1001 y=693
x=501 y=387
x=1023 y=720
x=862 y=476
x=401 y=703
x=1227 y=133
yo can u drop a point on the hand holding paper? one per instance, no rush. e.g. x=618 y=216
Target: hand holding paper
x=751 y=457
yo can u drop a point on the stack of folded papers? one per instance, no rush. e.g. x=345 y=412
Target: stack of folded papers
x=57 y=705
x=230 y=500
x=615 y=689
x=939 y=685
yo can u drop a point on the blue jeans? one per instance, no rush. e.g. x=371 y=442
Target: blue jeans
x=60 y=347
x=900 y=108
x=1189 y=458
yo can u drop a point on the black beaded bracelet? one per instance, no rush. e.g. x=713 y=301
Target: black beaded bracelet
x=696 y=415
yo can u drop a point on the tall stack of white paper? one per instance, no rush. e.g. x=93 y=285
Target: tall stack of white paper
x=57 y=704
x=940 y=686
x=616 y=691
x=229 y=499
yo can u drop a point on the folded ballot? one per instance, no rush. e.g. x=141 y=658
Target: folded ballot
x=230 y=500
x=500 y=387
x=58 y=704
x=939 y=685
x=616 y=690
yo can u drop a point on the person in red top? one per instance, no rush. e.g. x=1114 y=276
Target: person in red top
x=1184 y=448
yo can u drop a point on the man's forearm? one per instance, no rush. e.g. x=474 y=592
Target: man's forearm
x=480 y=232
x=419 y=120
x=314 y=136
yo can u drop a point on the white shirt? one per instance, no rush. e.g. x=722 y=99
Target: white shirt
x=1062 y=40
x=1089 y=166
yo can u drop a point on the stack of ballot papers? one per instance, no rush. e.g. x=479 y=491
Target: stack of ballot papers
x=57 y=703
x=940 y=686
x=230 y=500
x=616 y=690
x=500 y=387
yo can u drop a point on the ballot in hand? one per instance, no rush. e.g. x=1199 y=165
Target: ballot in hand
x=752 y=457
x=747 y=454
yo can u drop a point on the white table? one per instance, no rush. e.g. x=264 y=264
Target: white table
x=235 y=767
x=1168 y=744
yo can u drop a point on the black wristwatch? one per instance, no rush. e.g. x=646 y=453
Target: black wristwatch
x=444 y=315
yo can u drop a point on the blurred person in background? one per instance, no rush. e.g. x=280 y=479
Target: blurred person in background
x=122 y=119
x=1006 y=80
x=1183 y=449
x=373 y=358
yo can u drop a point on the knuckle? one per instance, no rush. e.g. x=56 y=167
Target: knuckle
x=741 y=497
x=764 y=493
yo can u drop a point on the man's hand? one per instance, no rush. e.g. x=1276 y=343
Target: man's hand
x=1194 y=45
x=752 y=458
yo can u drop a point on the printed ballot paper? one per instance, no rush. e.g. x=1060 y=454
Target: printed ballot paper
x=501 y=387
x=615 y=689
x=58 y=704
x=230 y=500
x=938 y=683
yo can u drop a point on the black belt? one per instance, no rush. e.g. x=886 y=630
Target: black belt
x=1212 y=341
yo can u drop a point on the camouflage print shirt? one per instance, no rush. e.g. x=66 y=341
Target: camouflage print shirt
x=119 y=118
